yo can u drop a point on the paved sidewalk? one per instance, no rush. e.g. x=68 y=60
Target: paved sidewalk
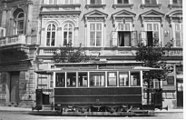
x=14 y=109
x=169 y=111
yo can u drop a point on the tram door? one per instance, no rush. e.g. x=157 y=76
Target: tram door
x=179 y=92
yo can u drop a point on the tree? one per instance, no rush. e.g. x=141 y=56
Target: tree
x=69 y=54
x=151 y=56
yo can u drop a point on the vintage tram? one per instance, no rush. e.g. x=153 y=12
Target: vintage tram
x=98 y=89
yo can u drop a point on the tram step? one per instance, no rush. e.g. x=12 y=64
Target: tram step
x=46 y=107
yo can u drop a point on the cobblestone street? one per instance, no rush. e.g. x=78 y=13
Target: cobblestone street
x=27 y=116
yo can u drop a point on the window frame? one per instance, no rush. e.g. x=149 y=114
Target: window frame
x=51 y=33
x=100 y=72
x=79 y=79
x=116 y=78
x=121 y=27
x=95 y=31
x=174 y=29
x=19 y=20
x=153 y=30
x=128 y=78
x=68 y=33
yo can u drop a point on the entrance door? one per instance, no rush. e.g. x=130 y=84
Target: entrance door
x=179 y=93
x=14 y=87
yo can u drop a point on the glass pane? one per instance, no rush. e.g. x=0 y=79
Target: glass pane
x=154 y=2
x=178 y=27
x=175 y=1
x=120 y=27
x=98 y=1
x=127 y=27
x=83 y=79
x=53 y=39
x=178 y=39
x=48 y=38
x=92 y=27
x=149 y=27
x=65 y=38
x=92 y=1
x=53 y=27
x=147 y=1
x=60 y=79
x=99 y=27
x=98 y=39
x=70 y=37
x=97 y=79
x=123 y=79
x=92 y=38
x=71 y=79
x=112 y=79
x=119 y=1
x=156 y=27
x=135 y=79
x=49 y=27
x=126 y=1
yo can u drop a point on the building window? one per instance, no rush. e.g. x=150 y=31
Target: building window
x=177 y=2
x=68 y=34
x=112 y=78
x=60 y=79
x=71 y=79
x=135 y=79
x=150 y=2
x=51 y=34
x=123 y=79
x=125 y=35
x=178 y=34
x=95 y=2
x=96 y=31
x=152 y=34
x=97 y=79
x=122 y=1
x=19 y=21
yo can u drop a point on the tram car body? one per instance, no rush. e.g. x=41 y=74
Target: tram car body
x=118 y=90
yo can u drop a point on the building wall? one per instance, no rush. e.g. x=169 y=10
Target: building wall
x=38 y=15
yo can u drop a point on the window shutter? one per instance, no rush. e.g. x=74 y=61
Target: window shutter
x=114 y=38
x=156 y=37
x=143 y=37
x=134 y=41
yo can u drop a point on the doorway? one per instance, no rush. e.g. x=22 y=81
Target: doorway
x=14 y=87
x=179 y=92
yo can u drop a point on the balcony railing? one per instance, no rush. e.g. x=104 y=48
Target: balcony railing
x=12 y=40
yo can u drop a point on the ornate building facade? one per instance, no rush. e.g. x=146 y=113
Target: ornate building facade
x=110 y=29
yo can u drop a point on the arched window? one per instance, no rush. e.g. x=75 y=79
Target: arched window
x=19 y=21
x=51 y=33
x=68 y=34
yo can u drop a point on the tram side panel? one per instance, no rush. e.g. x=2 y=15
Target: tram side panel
x=98 y=96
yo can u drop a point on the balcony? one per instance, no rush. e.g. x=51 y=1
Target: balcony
x=12 y=40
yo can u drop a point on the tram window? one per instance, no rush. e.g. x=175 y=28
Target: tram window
x=97 y=79
x=135 y=79
x=82 y=79
x=60 y=79
x=71 y=79
x=112 y=79
x=123 y=79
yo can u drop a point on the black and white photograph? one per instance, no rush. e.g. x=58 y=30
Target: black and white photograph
x=91 y=59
